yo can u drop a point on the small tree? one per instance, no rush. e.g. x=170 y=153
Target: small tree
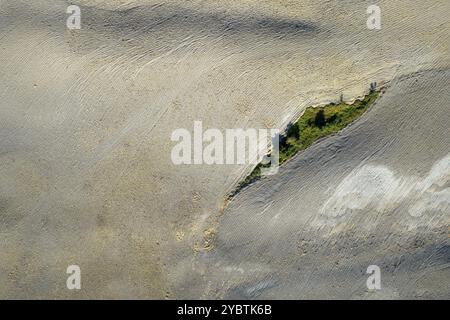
x=319 y=121
x=293 y=131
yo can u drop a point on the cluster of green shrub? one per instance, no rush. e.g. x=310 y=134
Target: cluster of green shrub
x=315 y=123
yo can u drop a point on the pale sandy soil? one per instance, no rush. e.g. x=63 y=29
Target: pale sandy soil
x=86 y=175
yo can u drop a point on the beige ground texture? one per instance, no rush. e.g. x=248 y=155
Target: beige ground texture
x=86 y=176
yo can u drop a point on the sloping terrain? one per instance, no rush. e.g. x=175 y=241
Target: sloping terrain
x=378 y=193
x=86 y=176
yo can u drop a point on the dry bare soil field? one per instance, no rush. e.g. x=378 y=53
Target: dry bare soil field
x=86 y=176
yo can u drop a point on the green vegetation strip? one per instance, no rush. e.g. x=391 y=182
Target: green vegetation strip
x=315 y=123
